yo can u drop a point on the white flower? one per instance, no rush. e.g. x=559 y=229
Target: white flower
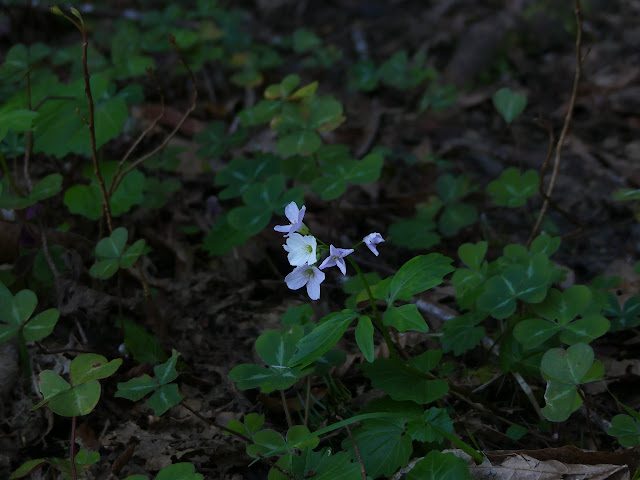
x=306 y=275
x=295 y=216
x=301 y=248
x=336 y=257
x=372 y=240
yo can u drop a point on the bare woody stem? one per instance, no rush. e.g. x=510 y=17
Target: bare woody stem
x=566 y=126
x=90 y=121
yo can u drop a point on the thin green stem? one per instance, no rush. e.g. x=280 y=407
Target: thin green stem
x=5 y=169
x=376 y=314
x=74 y=474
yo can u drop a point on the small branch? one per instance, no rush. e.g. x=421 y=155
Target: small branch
x=74 y=474
x=357 y=451
x=116 y=180
x=214 y=424
x=79 y=24
x=146 y=132
x=28 y=148
x=567 y=124
x=286 y=409
x=307 y=402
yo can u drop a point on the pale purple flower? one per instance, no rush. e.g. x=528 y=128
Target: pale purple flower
x=301 y=248
x=294 y=216
x=306 y=275
x=372 y=240
x=336 y=257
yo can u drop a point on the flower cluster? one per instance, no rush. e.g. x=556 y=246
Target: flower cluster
x=302 y=253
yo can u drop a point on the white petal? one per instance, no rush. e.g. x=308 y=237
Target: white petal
x=291 y=211
x=297 y=279
x=313 y=290
x=341 y=265
x=328 y=262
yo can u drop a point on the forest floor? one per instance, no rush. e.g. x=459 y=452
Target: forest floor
x=213 y=308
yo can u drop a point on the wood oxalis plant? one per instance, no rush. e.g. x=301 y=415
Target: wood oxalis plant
x=545 y=332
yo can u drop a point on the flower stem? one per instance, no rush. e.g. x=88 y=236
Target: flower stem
x=376 y=314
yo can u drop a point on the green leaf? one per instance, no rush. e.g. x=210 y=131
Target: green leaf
x=455 y=217
x=50 y=385
x=249 y=220
x=166 y=372
x=363 y=75
x=569 y=366
x=241 y=173
x=113 y=245
x=562 y=400
x=462 y=333
x=304 y=40
x=516 y=432
x=265 y=441
x=298 y=436
x=136 y=388
x=304 y=92
x=400 y=384
x=47 y=187
x=511 y=189
x=472 y=255
x=143 y=345
x=322 y=338
x=265 y=195
x=302 y=169
x=419 y=274
x=367 y=170
x=529 y=284
x=27 y=467
x=80 y=400
x=383 y=446
x=41 y=325
x=545 y=244
x=262 y=112
x=323 y=465
x=440 y=466
x=364 y=337
x=625 y=194
x=84 y=200
x=300 y=142
x=17 y=310
x=166 y=397
x=429 y=427
x=249 y=375
x=532 y=332
x=91 y=366
x=414 y=234
x=179 y=471
x=585 y=330
x=451 y=188
x=627 y=317
x=104 y=269
x=223 y=237
x=627 y=429
x=509 y=104
x=564 y=306
x=325 y=113
x=329 y=188
x=7 y=331
x=276 y=347
x=297 y=315
x=132 y=253
x=405 y=317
